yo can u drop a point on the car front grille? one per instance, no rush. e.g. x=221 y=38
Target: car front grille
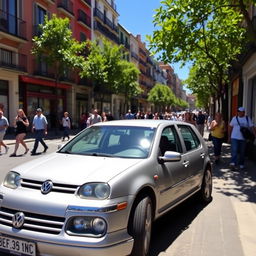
x=57 y=187
x=33 y=222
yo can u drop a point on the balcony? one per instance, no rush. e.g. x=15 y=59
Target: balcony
x=88 y=2
x=84 y=19
x=112 y=4
x=42 y=69
x=105 y=31
x=135 y=56
x=66 y=6
x=68 y=76
x=13 y=60
x=99 y=14
x=12 y=27
x=143 y=52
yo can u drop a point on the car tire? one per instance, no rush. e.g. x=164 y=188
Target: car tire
x=205 y=192
x=141 y=226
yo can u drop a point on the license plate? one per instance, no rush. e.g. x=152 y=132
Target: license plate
x=19 y=247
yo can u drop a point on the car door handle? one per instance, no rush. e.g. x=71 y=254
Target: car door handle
x=186 y=163
x=202 y=155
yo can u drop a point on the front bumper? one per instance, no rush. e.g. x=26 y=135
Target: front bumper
x=116 y=241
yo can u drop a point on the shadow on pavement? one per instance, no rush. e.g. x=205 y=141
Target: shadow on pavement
x=236 y=183
x=170 y=226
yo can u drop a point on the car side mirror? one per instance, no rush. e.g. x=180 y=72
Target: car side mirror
x=169 y=156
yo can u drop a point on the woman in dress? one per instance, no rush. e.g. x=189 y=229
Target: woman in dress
x=21 y=123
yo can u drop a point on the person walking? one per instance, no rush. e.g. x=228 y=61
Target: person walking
x=217 y=129
x=66 y=124
x=200 y=121
x=238 y=142
x=3 y=126
x=94 y=118
x=129 y=115
x=21 y=123
x=39 y=127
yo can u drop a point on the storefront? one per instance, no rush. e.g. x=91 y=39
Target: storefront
x=34 y=93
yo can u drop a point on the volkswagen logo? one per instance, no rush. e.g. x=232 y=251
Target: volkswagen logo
x=46 y=187
x=18 y=219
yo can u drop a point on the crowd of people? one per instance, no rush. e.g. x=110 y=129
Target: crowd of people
x=219 y=130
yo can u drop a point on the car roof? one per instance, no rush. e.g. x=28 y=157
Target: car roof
x=139 y=123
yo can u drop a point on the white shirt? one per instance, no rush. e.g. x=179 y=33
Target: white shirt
x=236 y=134
x=40 y=122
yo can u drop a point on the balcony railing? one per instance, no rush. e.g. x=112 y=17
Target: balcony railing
x=99 y=14
x=67 y=5
x=142 y=52
x=13 y=60
x=42 y=69
x=84 y=18
x=105 y=31
x=12 y=25
x=135 y=55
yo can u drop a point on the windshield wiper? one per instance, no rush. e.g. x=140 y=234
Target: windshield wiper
x=102 y=154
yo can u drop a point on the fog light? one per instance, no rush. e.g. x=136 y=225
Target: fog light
x=99 y=225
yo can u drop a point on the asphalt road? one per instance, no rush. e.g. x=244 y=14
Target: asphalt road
x=225 y=227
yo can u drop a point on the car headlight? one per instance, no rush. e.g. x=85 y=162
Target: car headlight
x=12 y=180
x=86 y=226
x=94 y=191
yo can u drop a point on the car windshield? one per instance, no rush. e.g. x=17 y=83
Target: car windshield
x=112 y=141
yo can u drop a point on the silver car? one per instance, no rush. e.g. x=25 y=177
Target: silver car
x=100 y=193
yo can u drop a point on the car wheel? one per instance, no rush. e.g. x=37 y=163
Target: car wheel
x=141 y=226
x=206 y=187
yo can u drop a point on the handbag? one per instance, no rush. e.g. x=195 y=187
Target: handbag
x=246 y=132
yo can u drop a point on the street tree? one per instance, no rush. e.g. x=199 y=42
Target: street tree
x=162 y=96
x=56 y=47
x=127 y=83
x=107 y=70
x=199 y=31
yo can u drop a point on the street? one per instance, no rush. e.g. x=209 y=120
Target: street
x=224 y=227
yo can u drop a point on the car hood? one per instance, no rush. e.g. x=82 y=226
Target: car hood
x=74 y=169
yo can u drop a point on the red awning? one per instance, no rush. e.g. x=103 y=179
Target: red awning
x=33 y=80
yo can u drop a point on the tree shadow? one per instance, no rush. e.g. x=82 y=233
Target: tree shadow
x=236 y=183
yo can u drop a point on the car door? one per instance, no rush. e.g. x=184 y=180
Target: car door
x=172 y=175
x=194 y=155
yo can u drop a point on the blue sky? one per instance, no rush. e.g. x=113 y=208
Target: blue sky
x=137 y=17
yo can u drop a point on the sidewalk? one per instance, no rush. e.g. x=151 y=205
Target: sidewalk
x=9 y=139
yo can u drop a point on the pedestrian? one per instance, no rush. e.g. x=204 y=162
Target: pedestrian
x=129 y=115
x=200 y=121
x=110 y=116
x=39 y=127
x=217 y=129
x=66 y=124
x=94 y=118
x=189 y=118
x=3 y=126
x=104 y=117
x=21 y=123
x=238 y=142
x=83 y=121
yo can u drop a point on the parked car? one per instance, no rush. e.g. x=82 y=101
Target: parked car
x=100 y=192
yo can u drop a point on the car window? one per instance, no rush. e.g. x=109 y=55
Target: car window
x=112 y=141
x=191 y=140
x=169 y=140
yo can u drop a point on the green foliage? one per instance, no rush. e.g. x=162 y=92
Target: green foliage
x=56 y=46
x=105 y=66
x=206 y=33
x=161 y=95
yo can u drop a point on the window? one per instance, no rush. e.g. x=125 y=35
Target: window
x=190 y=139
x=82 y=37
x=40 y=14
x=169 y=141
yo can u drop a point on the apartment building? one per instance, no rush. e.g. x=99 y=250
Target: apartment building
x=27 y=84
